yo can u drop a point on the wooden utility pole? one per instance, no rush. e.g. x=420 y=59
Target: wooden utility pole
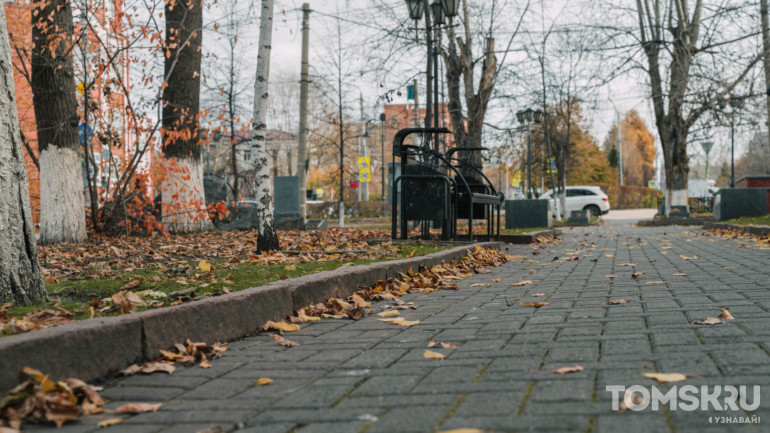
x=303 y=90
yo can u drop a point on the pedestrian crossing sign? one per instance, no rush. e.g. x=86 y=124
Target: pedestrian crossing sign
x=363 y=162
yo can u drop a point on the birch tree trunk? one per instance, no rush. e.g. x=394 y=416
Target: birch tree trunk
x=62 y=207
x=20 y=277
x=184 y=203
x=267 y=239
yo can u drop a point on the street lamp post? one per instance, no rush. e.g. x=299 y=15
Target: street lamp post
x=439 y=9
x=529 y=116
x=382 y=153
x=735 y=102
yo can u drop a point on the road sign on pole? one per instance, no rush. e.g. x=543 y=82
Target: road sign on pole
x=364 y=175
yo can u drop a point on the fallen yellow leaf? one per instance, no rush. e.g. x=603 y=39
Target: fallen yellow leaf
x=400 y=321
x=522 y=283
x=110 y=422
x=429 y=354
x=665 y=377
x=262 y=381
x=302 y=315
x=204 y=266
x=138 y=407
x=282 y=325
x=389 y=313
x=360 y=302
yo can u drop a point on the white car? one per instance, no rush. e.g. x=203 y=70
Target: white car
x=590 y=198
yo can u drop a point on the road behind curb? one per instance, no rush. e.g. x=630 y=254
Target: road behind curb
x=92 y=349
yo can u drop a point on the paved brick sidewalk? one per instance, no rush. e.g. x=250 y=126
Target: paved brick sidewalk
x=370 y=376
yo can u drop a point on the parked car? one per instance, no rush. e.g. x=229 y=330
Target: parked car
x=590 y=198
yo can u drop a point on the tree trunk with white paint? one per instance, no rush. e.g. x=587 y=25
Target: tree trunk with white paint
x=20 y=278
x=184 y=202
x=267 y=239
x=62 y=206
x=675 y=111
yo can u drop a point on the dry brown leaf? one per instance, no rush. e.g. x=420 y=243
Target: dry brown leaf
x=282 y=341
x=609 y=255
x=534 y=304
x=152 y=367
x=204 y=266
x=481 y=284
x=665 y=377
x=562 y=370
x=334 y=316
x=726 y=315
x=262 y=381
x=389 y=313
x=627 y=264
x=690 y=258
x=610 y=276
x=282 y=326
x=133 y=284
x=138 y=407
x=637 y=274
x=619 y=301
x=522 y=283
x=205 y=364
x=680 y=274
x=537 y=295
x=130 y=370
x=565 y=370
x=464 y=430
x=655 y=282
x=109 y=422
x=359 y=302
x=400 y=321
x=709 y=321
x=531 y=271
x=429 y=354
x=433 y=343
x=302 y=315
x=636 y=400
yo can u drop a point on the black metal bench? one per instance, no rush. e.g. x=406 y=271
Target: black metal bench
x=435 y=192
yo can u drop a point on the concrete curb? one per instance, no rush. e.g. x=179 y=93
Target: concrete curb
x=675 y=221
x=92 y=349
x=755 y=230
x=524 y=238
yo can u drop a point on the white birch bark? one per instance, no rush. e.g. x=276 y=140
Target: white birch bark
x=267 y=239
x=20 y=278
x=62 y=209
x=184 y=204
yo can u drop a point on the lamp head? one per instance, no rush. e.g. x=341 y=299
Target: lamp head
x=415 y=9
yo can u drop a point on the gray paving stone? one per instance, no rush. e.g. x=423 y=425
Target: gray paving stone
x=371 y=376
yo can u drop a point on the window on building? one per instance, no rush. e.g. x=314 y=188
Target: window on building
x=247 y=155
